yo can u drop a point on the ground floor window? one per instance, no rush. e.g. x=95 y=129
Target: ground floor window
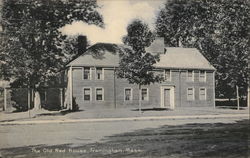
x=144 y=94
x=190 y=94
x=99 y=94
x=202 y=94
x=86 y=94
x=127 y=94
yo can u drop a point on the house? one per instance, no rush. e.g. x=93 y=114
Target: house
x=92 y=81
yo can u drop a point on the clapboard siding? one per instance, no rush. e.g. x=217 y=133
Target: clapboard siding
x=114 y=90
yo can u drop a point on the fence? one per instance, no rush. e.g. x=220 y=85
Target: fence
x=22 y=99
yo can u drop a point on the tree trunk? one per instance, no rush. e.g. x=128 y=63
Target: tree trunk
x=237 y=97
x=37 y=100
x=140 y=98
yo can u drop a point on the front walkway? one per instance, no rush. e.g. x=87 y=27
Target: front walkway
x=120 y=114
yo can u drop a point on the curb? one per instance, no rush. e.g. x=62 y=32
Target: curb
x=126 y=119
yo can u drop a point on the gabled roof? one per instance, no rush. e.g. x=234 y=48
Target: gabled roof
x=108 y=55
x=186 y=58
x=100 y=54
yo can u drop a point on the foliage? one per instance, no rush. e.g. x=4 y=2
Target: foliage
x=32 y=35
x=136 y=65
x=19 y=97
x=220 y=29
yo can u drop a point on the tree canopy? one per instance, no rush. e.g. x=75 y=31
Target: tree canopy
x=136 y=64
x=32 y=53
x=220 y=29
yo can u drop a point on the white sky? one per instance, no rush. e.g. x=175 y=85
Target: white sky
x=117 y=14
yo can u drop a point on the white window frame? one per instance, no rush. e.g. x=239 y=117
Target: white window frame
x=102 y=93
x=90 y=73
x=192 y=76
x=90 y=93
x=193 y=98
x=205 y=76
x=200 y=93
x=102 y=73
x=131 y=94
x=170 y=73
x=147 y=94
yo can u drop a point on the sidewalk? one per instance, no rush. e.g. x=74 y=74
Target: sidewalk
x=44 y=116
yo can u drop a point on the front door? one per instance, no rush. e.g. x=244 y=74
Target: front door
x=167 y=98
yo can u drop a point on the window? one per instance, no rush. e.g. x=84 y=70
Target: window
x=127 y=94
x=144 y=94
x=86 y=94
x=99 y=73
x=190 y=75
x=202 y=94
x=99 y=94
x=167 y=75
x=202 y=76
x=86 y=73
x=190 y=94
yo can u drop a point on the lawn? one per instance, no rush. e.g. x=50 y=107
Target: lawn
x=190 y=140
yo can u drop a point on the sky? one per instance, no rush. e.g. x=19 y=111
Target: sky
x=117 y=14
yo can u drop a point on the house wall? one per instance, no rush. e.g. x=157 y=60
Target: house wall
x=114 y=90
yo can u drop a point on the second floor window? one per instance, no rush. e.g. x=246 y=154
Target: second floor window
x=86 y=73
x=99 y=73
x=202 y=76
x=128 y=94
x=190 y=75
x=167 y=75
x=144 y=94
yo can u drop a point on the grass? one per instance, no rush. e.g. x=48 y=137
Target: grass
x=190 y=140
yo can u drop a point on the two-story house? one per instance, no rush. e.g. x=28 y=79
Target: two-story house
x=92 y=81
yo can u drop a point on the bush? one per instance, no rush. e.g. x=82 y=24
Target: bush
x=75 y=106
x=19 y=98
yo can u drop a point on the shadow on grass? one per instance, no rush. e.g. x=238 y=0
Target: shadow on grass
x=153 y=109
x=231 y=107
x=189 y=141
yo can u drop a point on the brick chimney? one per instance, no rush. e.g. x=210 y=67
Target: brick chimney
x=82 y=44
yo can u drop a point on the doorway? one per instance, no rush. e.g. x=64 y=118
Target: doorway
x=167 y=97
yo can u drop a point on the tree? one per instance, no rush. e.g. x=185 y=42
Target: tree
x=219 y=29
x=136 y=65
x=33 y=54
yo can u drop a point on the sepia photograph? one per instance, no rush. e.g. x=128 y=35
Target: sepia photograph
x=124 y=79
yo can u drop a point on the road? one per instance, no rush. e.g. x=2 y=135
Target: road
x=80 y=132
